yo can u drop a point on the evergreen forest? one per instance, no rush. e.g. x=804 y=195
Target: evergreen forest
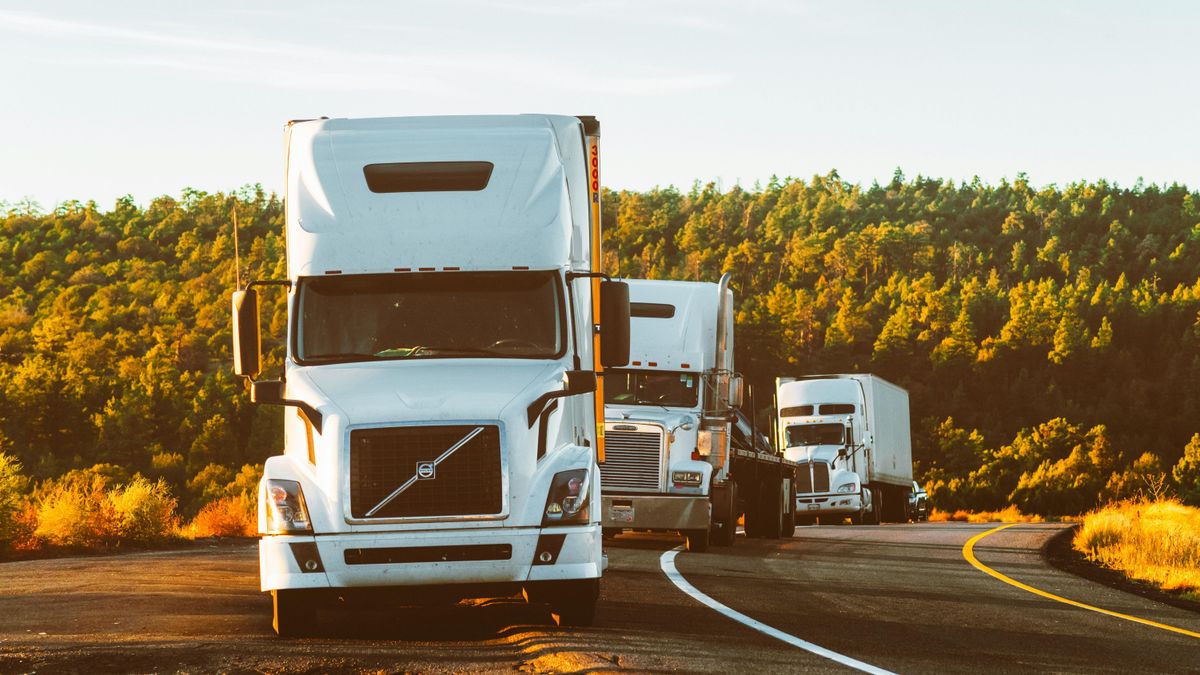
x=1049 y=337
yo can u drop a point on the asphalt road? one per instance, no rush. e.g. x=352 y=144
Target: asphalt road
x=900 y=598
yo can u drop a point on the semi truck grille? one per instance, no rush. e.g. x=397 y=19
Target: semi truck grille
x=812 y=477
x=465 y=482
x=632 y=460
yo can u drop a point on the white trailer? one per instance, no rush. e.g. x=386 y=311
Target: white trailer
x=675 y=460
x=444 y=341
x=850 y=435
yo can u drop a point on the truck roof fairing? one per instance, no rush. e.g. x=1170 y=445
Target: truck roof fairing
x=531 y=210
x=658 y=339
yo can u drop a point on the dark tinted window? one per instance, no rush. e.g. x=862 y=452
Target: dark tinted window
x=796 y=411
x=651 y=310
x=815 y=434
x=428 y=176
x=837 y=409
x=639 y=387
x=439 y=315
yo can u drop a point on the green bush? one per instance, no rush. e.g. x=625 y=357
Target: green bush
x=12 y=496
x=145 y=511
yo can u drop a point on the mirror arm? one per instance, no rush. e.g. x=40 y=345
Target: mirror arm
x=571 y=276
x=534 y=411
x=286 y=283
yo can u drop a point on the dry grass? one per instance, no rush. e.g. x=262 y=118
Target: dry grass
x=1010 y=514
x=1153 y=541
x=235 y=516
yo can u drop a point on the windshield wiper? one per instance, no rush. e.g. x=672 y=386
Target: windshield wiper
x=339 y=356
x=421 y=350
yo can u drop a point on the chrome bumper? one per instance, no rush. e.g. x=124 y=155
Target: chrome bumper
x=656 y=512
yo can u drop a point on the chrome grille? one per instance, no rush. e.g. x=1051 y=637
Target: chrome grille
x=812 y=477
x=467 y=482
x=632 y=460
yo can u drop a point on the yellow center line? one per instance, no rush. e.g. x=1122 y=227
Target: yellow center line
x=968 y=552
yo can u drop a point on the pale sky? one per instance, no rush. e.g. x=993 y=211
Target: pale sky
x=102 y=99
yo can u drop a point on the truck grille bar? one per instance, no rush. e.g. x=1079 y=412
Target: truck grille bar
x=812 y=477
x=425 y=471
x=632 y=460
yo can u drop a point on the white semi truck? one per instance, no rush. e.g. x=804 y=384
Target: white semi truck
x=446 y=326
x=678 y=452
x=850 y=435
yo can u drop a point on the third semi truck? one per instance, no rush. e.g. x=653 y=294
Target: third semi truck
x=850 y=435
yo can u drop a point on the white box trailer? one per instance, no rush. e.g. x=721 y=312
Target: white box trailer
x=850 y=433
x=679 y=454
x=446 y=326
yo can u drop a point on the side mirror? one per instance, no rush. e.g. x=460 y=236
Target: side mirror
x=580 y=382
x=849 y=436
x=247 y=345
x=842 y=453
x=267 y=392
x=614 y=324
x=735 y=391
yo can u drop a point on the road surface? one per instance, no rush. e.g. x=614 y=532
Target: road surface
x=898 y=598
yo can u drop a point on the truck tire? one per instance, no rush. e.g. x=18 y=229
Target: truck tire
x=870 y=516
x=771 y=509
x=789 y=525
x=725 y=532
x=573 y=603
x=696 y=540
x=610 y=532
x=295 y=613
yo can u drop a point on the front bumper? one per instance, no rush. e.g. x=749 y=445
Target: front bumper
x=656 y=512
x=486 y=556
x=834 y=504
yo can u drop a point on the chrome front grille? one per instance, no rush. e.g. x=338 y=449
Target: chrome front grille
x=812 y=477
x=632 y=459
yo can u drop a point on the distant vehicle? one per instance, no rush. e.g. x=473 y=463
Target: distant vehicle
x=918 y=504
x=679 y=452
x=850 y=435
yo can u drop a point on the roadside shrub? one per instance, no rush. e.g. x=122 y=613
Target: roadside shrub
x=1154 y=541
x=1009 y=514
x=235 y=516
x=145 y=511
x=74 y=514
x=12 y=498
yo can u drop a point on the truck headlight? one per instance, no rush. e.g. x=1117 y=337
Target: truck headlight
x=567 y=501
x=690 y=478
x=848 y=487
x=286 y=511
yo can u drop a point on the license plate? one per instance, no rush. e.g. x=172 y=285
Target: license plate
x=621 y=514
x=813 y=507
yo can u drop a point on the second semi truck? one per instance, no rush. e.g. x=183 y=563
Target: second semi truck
x=678 y=451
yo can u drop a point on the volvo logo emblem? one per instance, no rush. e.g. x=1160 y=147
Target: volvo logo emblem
x=426 y=470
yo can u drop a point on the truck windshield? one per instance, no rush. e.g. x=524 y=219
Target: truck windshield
x=815 y=434
x=421 y=316
x=634 y=387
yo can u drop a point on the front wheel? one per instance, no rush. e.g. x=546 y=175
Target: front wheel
x=573 y=603
x=295 y=613
x=696 y=540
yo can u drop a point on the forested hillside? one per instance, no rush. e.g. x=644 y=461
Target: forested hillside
x=1048 y=337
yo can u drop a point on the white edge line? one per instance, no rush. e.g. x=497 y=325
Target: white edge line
x=667 y=562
